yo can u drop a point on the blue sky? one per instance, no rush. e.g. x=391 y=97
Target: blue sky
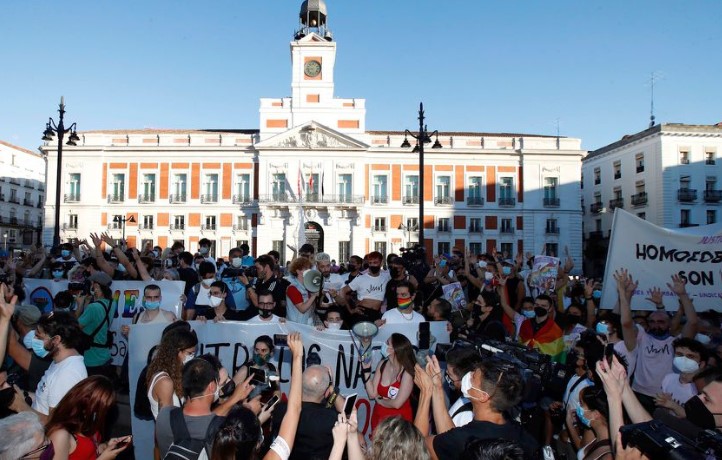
x=478 y=65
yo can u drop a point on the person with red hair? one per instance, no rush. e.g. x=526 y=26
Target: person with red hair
x=76 y=425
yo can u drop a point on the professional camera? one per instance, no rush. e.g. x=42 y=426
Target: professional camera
x=251 y=272
x=657 y=440
x=531 y=362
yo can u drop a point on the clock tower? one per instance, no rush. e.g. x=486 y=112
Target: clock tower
x=313 y=57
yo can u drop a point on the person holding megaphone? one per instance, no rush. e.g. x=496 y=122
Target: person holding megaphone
x=302 y=291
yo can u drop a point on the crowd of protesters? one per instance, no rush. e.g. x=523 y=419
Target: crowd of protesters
x=612 y=366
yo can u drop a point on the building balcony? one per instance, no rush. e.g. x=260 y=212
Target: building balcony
x=2 y=197
x=14 y=180
x=70 y=226
x=476 y=229
x=146 y=226
x=209 y=198
x=443 y=229
x=616 y=203
x=379 y=228
x=552 y=230
x=240 y=228
x=475 y=201
x=115 y=225
x=506 y=230
x=72 y=198
x=410 y=199
x=28 y=184
x=507 y=201
x=344 y=199
x=149 y=198
x=28 y=202
x=379 y=199
x=597 y=180
x=712 y=196
x=242 y=199
x=276 y=198
x=41 y=187
x=639 y=199
x=687 y=195
x=178 y=198
x=551 y=202
x=175 y=227
x=596 y=235
x=208 y=227
x=617 y=175
x=640 y=169
x=14 y=199
x=443 y=200
x=116 y=199
x=596 y=208
x=688 y=224
x=709 y=162
x=40 y=204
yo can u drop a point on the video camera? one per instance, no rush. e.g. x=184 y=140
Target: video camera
x=659 y=441
x=531 y=362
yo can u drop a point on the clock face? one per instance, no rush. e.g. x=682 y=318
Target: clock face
x=312 y=68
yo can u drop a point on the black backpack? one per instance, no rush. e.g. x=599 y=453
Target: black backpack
x=187 y=448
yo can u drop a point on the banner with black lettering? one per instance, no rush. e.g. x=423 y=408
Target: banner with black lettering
x=653 y=254
x=127 y=296
x=233 y=341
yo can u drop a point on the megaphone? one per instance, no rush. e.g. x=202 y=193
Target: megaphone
x=312 y=280
x=364 y=331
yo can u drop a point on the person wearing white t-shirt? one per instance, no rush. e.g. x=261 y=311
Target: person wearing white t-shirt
x=370 y=288
x=61 y=336
x=653 y=348
x=404 y=313
x=266 y=304
x=678 y=387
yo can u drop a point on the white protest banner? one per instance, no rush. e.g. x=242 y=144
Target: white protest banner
x=127 y=300
x=653 y=254
x=232 y=343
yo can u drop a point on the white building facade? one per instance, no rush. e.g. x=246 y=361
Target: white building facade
x=313 y=172
x=22 y=197
x=669 y=174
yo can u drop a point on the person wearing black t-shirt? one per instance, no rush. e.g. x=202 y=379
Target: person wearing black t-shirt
x=493 y=387
x=186 y=272
x=266 y=281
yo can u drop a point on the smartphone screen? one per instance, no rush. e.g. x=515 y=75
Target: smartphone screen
x=272 y=401
x=259 y=375
x=280 y=340
x=349 y=404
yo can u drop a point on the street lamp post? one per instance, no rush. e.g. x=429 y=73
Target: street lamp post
x=5 y=241
x=423 y=137
x=122 y=220
x=59 y=129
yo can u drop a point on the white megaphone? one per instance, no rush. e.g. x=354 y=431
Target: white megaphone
x=312 y=280
x=365 y=332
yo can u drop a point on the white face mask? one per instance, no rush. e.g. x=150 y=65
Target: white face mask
x=685 y=365
x=466 y=386
x=481 y=264
x=333 y=325
x=236 y=262
x=188 y=358
x=208 y=282
x=704 y=339
x=488 y=276
x=215 y=301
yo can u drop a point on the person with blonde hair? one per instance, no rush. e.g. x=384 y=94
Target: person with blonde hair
x=394 y=439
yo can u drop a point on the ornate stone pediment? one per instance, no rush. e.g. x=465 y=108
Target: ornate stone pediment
x=311 y=136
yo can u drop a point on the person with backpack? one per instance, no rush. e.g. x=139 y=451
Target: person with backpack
x=94 y=319
x=188 y=432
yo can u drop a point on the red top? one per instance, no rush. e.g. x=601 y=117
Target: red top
x=294 y=295
x=390 y=392
x=85 y=448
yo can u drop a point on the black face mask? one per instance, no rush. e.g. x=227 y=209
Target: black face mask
x=697 y=413
x=7 y=396
x=540 y=311
x=265 y=313
x=395 y=272
x=374 y=270
x=352 y=268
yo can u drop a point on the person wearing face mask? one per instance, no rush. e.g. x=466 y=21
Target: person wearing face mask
x=267 y=281
x=392 y=384
x=538 y=329
x=653 y=347
x=204 y=249
x=493 y=387
x=609 y=329
x=331 y=284
x=262 y=358
x=62 y=337
x=238 y=284
x=334 y=319
x=575 y=325
x=152 y=313
x=353 y=267
x=201 y=389
x=219 y=311
x=199 y=296
x=266 y=305
x=164 y=374
x=95 y=315
x=67 y=258
x=593 y=413
x=398 y=274
x=57 y=272
x=370 y=288
x=404 y=313
x=678 y=387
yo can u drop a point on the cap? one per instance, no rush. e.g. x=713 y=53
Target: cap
x=101 y=278
x=27 y=314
